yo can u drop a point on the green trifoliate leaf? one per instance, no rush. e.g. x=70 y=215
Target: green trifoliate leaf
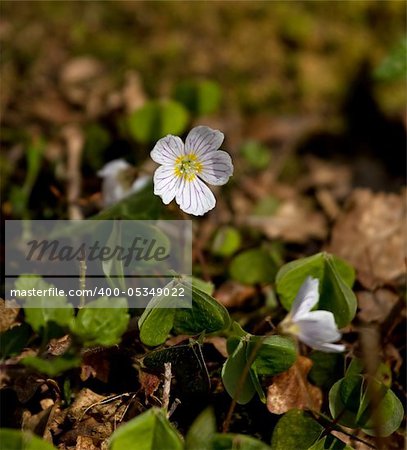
x=242 y=390
x=150 y=430
x=336 y=279
x=201 y=432
x=39 y=310
x=102 y=322
x=230 y=441
x=157 y=319
x=257 y=155
x=156 y=119
x=54 y=366
x=344 y=399
x=226 y=242
x=330 y=443
x=11 y=439
x=326 y=369
x=275 y=355
x=380 y=412
x=206 y=315
x=371 y=406
x=394 y=66
x=200 y=97
x=206 y=286
x=253 y=266
x=295 y=430
x=143 y=205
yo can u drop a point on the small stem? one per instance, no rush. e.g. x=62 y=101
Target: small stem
x=167 y=385
x=82 y=282
x=334 y=424
x=242 y=379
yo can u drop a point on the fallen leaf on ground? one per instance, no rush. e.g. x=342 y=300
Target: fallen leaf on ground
x=57 y=347
x=79 y=70
x=232 y=294
x=89 y=427
x=326 y=174
x=371 y=234
x=291 y=389
x=8 y=314
x=149 y=383
x=26 y=386
x=134 y=96
x=95 y=365
x=85 y=443
x=293 y=222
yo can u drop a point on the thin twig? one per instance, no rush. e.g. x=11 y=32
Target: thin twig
x=176 y=402
x=167 y=385
x=74 y=142
x=242 y=379
x=126 y=408
x=104 y=401
x=334 y=424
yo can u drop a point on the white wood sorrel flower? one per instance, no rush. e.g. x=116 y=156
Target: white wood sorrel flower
x=317 y=329
x=184 y=168
x=118 y=181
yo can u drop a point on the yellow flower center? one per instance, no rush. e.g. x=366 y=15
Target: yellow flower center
x=187 y=166
x=287 y=326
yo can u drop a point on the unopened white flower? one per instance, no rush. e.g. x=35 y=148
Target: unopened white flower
x=118 y=181
x=317 y=329
x=184 y=168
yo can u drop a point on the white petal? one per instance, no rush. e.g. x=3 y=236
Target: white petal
x=306 y=298
x=140 y=183
x=112 y=168
x=217 y=168
x=319 y=326
x=167 y=150
x=166 y=183
x=202 y=140
x=194 y=197
x=112 y=191
x=330 y=348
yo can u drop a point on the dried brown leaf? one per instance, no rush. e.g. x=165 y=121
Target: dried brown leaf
x=59 y=346
x=149 y=383
x=88 y=427
x=95 y=365
x=371 y=234
x=85 y=443
x=291 y=389
x=26 y=386
x=79 y=70
x=134 y=96
x=36 y=422
x=233 y=294
x=324 y=174
x=8 y=314
x=84 y=399
x=293 y=222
